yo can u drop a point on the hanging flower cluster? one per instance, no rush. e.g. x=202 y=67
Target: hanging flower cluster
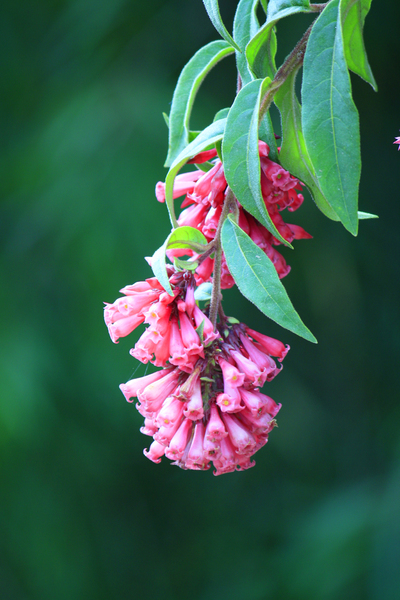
x=205 y=405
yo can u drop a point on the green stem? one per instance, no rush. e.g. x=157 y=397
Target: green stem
x=198 y=248
x=294 y=60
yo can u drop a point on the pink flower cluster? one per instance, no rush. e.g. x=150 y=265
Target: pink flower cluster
x=205 y=405
x=204 y=198
x=171 y=336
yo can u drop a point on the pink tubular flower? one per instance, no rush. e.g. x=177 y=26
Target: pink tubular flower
x=178 y=443
x=155 y=453
x=134 y=386
x=183 y=184
x=196 y=458
x=126 y=313
x=397 y=141
x=194 y=408
x=240 y=437
x=269 y=345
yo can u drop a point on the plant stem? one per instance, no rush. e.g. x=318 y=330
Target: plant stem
x=294 y=59
x=318 y=7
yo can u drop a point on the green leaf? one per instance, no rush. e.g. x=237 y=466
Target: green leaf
x=203 y=292
x=293 y=155
x=364 y=215
x=207 y=137
x=257 y=279
x=240 y=153
x=205 y=166
x=159 y=268
x=212 y=9
x=200 y=331
x=275 y=6
x=185 y=92
x=182 y=236
x=353 y=13
x=185 y=265
x=245 y=26
x=193 y=135
x=261 y=50
x=221 y=114
x=166 y=119
x=330 y=118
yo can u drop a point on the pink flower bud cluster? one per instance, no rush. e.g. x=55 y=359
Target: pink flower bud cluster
x=205 y=406
x=204 y=197
x=171 y=337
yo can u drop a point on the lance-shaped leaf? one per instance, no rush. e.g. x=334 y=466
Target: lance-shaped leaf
x=240 y=153
x=212 y=9
x=353 y=13
x=185 y=92
x=261 y=50
x=181 y=237
x=245 y=26
x=211 y=134
x=330 y=118
x=293 y=155
x=221 y=114
x=256 y=277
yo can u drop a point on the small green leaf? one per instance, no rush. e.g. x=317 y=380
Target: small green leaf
x=193 y=135
x=166 y=119
x=159 y=268
x=353 y=13
x=185 y=265
x=205 y=166
x=245 y=26
x=203 y=292
x=232 y=320
x=257 y=279
x=182 y=236
x=275 y=6
x=240 y=153
x=207 y=379
x=207 y=137
x=212 y=9
x=185 y=92
x=261 y=50
x=293 y=155
x=200 y=330
x=221 y=114
x=364 y=215
x=330 y=118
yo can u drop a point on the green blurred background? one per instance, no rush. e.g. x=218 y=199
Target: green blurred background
x=83 y=514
